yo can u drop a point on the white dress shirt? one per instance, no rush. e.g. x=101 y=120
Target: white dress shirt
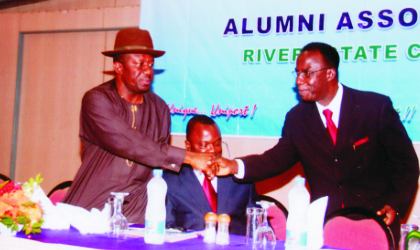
x=334 y=106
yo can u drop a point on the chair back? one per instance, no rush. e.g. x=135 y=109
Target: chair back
x=58 y=193
x=4 y=178
x=366 y=232
x=57 y=196
x=277 y=217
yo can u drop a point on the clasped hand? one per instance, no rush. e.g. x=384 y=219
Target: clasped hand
x=212 y=165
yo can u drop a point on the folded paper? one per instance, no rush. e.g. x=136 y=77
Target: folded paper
x=52 y=218
x=316 y=216
x=93 y=222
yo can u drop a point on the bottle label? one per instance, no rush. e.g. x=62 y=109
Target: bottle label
x=295 y=238
x=155 y=227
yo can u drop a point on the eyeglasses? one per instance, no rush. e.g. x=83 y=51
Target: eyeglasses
x=306 y=74
x=209 y=146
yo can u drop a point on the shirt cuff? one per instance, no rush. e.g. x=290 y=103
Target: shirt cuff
x=174 y=158
x=241 y=169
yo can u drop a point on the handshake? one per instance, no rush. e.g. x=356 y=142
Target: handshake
x=211 y=165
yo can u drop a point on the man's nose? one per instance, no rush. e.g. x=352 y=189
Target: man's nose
x=299 y=79
x=147 y=69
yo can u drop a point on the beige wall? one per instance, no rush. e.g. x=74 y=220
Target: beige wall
x=60 y=60
x=9 y=40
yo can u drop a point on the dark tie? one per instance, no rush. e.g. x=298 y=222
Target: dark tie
x=210 y=194
x=331 y=128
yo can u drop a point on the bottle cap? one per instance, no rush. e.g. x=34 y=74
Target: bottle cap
x=223 y=218
x=210 y=217
x=157 y=172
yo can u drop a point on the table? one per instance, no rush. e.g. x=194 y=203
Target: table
x=72 y=237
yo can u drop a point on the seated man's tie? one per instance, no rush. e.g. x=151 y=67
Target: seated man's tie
x=210 y=194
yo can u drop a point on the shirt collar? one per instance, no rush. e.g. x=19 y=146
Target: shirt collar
x=334 y=106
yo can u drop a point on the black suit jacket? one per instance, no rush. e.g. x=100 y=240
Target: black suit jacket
x=186 y=203
x=383 y=170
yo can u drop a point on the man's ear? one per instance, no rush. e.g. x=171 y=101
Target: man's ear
x=118 y=67
x=331 y=74
x=187 y=145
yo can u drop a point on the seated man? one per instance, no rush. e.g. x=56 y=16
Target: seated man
x=187 y=201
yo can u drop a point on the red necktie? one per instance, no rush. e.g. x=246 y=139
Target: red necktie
x=331 y=128
x=210 y=194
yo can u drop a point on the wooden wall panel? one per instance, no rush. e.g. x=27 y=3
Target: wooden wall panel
x=62 y=20
x=109 y=61
x=122 y=17
x=54 y=5
x=58 y=68
x=9 y=43
x=127 y=2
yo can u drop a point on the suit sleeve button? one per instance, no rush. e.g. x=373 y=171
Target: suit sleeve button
x=339 y=185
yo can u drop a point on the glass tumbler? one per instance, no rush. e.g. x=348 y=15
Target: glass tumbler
x=254 y=219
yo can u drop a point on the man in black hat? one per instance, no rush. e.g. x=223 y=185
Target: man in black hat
x=125 y=130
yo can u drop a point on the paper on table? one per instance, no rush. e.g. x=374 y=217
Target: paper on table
x=93 y=222
x=52 y=219
x=316 y=216
x=169 y=235
x=174 y=237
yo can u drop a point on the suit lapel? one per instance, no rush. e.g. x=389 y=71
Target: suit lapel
x=346 y=121
x=192 y=185
x=224 y=186
x=316 y=125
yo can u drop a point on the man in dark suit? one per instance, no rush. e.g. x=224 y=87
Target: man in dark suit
x=357 y=152
x=187 y=201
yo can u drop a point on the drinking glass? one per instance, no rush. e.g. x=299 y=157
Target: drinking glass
x=254 y=219
x=266 y=239
x=118 y=223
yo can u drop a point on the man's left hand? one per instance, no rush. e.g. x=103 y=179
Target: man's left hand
x=390 y=214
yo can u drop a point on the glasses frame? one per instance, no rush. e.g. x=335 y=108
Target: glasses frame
x=308 y=73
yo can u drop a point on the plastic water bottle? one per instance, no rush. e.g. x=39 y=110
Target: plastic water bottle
x=297 y=221
x=155 y=209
